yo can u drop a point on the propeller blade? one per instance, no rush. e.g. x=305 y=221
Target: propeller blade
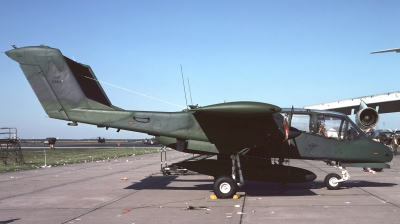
x=293 y=133
x=290 y=117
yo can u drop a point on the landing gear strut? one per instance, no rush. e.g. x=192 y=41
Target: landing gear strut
x=225 y=186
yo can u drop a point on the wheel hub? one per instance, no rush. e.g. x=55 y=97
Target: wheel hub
x=225 y=187
x=333 y=181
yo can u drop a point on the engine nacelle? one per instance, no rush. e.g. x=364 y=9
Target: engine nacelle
x=366 y=117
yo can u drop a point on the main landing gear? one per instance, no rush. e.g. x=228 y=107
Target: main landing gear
x=226 y=186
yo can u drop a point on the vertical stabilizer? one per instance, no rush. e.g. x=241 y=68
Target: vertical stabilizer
x=61 y=84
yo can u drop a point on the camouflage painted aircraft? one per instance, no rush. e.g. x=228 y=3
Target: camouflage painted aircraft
x=244 y=136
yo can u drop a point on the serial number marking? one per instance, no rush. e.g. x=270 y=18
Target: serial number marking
x=56 y=79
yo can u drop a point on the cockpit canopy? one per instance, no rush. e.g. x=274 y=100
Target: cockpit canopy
x=328 y=124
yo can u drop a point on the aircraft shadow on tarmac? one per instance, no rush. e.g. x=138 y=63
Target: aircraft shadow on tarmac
x=252 y=188
x=302 y=189
x=162 y=182
x=8 y=221
x=362 y=183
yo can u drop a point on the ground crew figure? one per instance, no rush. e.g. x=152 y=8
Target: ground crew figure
x=394 y=144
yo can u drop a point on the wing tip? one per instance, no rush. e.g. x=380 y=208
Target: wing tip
x=397 y=50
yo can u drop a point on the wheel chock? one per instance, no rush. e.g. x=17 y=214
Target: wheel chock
x=213 y=196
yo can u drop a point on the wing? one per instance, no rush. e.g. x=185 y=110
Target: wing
x=397 y=50
x=382 y=103
x=238 y=125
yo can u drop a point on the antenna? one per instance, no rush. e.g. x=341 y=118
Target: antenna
x=119 y=87
x=190 y=92
x=184 y=89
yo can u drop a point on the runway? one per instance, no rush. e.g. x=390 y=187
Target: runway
x=63 y=145
x=95 y=193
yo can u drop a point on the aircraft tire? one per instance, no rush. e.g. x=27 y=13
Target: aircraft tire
x=224 y=187
x=330 y=181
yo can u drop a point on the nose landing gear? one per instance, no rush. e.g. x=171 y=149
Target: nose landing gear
x=333 y=181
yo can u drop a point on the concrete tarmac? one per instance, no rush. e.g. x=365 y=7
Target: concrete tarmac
x=95 y=193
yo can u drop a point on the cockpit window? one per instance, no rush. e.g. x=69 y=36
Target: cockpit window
x=303 y=122
x=336 y=127
x=330 y=126
x=327 y=125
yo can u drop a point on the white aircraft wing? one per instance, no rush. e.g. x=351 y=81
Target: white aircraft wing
x=382 y=103
x=397 y=50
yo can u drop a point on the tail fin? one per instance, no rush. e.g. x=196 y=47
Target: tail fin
x=61 y=84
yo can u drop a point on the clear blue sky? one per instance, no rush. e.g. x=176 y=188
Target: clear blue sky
x=281 y=52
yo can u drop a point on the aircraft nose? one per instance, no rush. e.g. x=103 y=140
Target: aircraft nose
x=388 y=154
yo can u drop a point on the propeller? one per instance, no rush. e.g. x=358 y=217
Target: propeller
x=291 y=116
x=291 y=132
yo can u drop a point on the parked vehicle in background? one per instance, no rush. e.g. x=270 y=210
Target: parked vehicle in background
x=380 y=136
x=101 y=140
x=388 y=137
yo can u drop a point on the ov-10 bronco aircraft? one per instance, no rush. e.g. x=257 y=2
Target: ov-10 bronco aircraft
x=244 y=136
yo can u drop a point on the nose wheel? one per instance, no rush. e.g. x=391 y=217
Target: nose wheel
x=332 y=181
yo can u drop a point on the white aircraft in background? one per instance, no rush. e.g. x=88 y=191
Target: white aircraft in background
x=366 y=108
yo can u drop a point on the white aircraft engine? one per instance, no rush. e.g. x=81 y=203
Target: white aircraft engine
x=366 y=117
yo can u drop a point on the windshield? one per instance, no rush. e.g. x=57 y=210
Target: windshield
x=353 y=132
x=338 y=127
x=360 y=132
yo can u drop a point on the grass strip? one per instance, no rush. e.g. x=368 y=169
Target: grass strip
x=35 y=159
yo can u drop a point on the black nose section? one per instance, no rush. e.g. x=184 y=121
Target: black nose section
x=293 y=133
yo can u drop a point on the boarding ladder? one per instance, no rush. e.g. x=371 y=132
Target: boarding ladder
x=11 y=149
